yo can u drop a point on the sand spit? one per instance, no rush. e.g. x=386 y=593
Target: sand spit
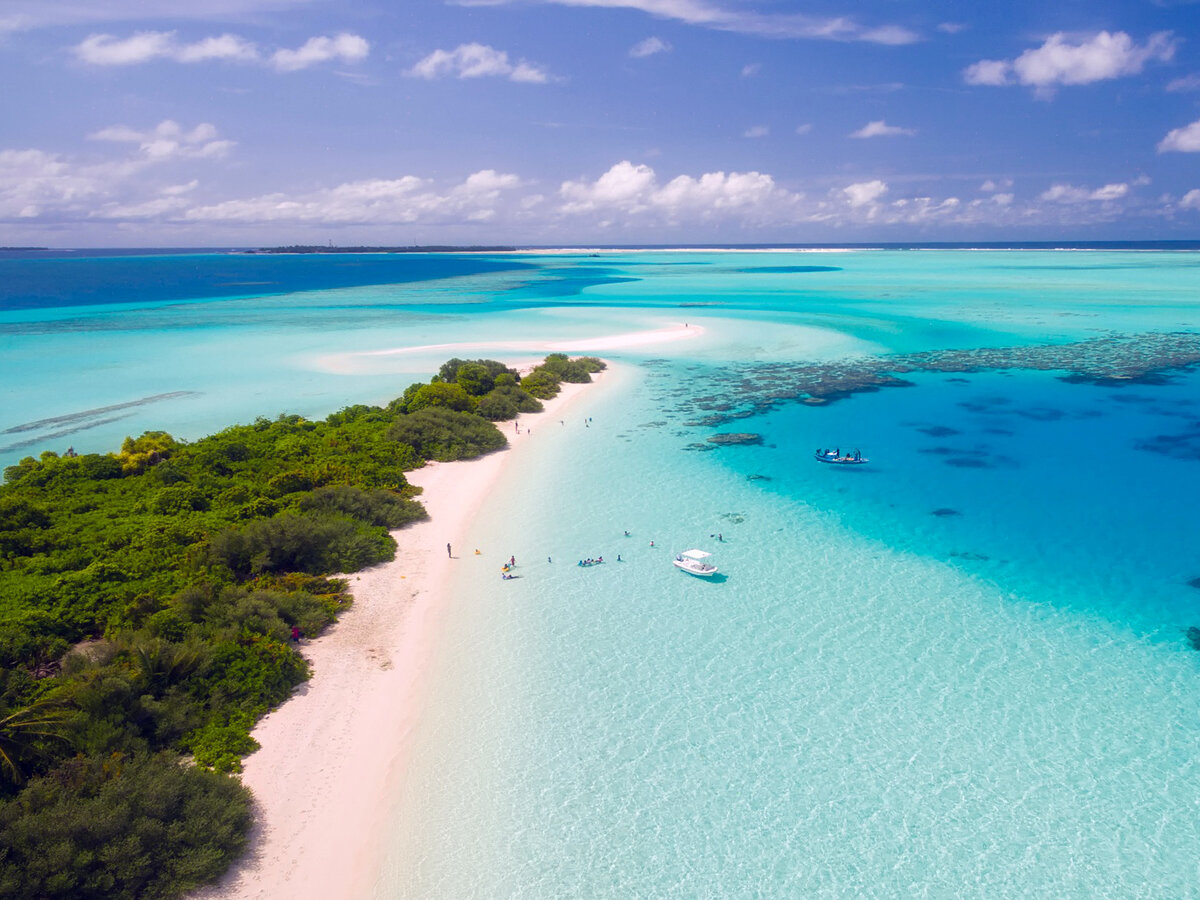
x=369 y=361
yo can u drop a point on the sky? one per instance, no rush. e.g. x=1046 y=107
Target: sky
x=215 y=123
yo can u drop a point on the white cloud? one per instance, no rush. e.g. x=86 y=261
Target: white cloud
x=881 y=129
x=988 y=71
x=951 y=27
x=145 y=46
x=756 y=131
x=706 y=14
x=751 y=69
x=1067 y=193
x=32 y=181
x=1191 y=200
x=106 y=50
x=168 y=140
x=380 y=201
x=1184 y=83
x=992 y=185
x=345 y=48
x=1183 y=140
x=226 y=46
x=864 y=192
x=804 y=129
x=622 y=185
x=1063 y=60
x=649 y=47
x=634 y=192
x=476 y=61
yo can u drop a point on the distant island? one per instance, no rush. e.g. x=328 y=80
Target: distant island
x=317 y=248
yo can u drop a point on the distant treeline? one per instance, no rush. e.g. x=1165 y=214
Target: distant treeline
x=317 y=248
x=150 y=601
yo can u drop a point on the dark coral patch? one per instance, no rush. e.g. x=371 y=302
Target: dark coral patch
x=939 y=431
x=945 y=511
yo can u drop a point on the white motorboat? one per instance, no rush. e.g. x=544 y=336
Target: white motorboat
x=694 y=563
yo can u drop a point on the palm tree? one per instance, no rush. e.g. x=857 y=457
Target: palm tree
x=23 y=730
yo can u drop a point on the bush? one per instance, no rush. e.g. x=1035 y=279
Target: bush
x=505 y=402
x=221 y=746
x=142 y=827
x=446 y=435
x=294 y=543
x=440 y=394
x=541 y=383
x=377 y=507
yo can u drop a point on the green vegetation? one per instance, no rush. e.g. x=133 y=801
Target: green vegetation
x=543 y=382
x=149 y=601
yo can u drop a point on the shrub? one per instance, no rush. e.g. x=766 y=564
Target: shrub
x=541 y=383
x=377 y=507
x=440 y=394
x=221 y=746
x=141 y=826
x=505 y=402
x=445 y=434
x=294 y=543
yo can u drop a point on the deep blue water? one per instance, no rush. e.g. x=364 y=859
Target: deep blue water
x=48 y=281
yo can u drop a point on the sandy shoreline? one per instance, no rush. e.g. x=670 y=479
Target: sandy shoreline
x=328 y=754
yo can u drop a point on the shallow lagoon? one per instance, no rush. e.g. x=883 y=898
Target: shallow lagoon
x=960 y=671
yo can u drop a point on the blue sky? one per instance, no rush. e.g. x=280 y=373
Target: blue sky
x=251 y=122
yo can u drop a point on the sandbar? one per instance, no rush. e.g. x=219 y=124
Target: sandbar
x=368 y=360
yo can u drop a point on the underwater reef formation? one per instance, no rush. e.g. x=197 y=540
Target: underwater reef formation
x=738 y=391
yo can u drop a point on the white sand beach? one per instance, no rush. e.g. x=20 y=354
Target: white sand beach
x=328 y=754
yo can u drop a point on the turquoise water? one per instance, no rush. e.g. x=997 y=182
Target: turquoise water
x=960 y=671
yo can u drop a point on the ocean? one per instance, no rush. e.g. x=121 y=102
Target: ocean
x=961 y=670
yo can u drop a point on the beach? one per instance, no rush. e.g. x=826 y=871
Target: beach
x=328 y=754
x=331 y=756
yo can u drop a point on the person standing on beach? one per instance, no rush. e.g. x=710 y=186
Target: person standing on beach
x=448 y=551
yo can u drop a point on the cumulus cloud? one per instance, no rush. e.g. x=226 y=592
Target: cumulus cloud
x=634 y=193
x=1191 y=200
x=881 y=129
x=991 y=185
x=649 y=47
x=477 y=61
x=951 y=27
x=345 y=48
x=1182 y=140
x=751 y=69
x=146 y=46
x=1063 y=60
x=168 y=140
x=864 y=192
x=32 y=181
x=756 y=131
x=707 y=14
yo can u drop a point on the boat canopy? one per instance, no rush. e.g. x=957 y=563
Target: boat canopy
x=695 y=554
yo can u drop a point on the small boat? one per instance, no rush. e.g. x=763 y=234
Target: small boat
x=693 y=562
x=833 y=457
